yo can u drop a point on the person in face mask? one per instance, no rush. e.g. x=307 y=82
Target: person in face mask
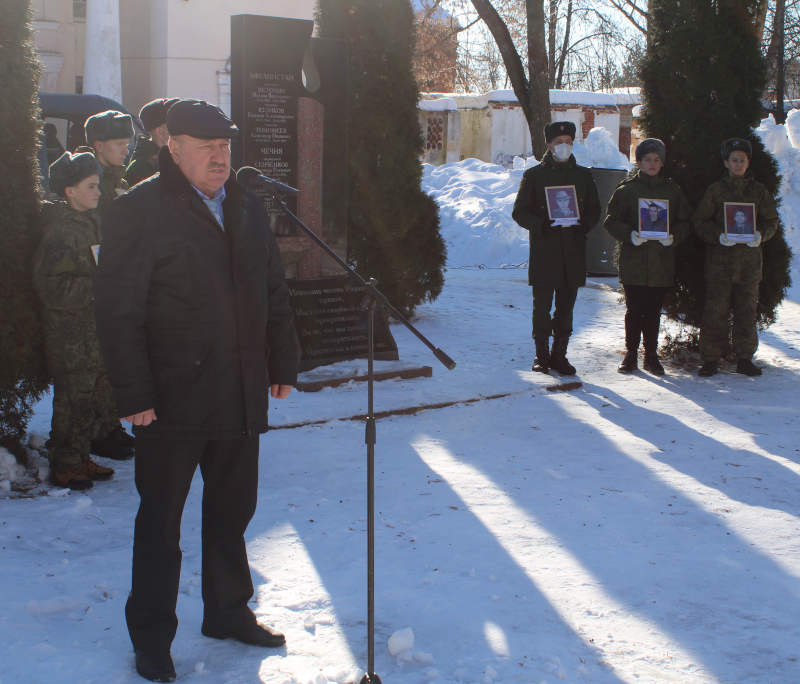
x=557 y=265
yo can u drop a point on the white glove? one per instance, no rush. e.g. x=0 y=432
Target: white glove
x=637 y=239
x=667 y=241
x=725 y=242
x=756 y=240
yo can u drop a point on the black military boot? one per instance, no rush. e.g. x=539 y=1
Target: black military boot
x=541 y=364
x=117 y=445
x=156 y=666
x=652 y=364
x=747 y=367
x=630 y=362
x=708 y=369
x=558 y=356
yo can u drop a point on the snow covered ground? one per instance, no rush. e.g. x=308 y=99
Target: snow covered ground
x=638 y=529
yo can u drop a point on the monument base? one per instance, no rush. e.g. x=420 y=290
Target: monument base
x=342 y=373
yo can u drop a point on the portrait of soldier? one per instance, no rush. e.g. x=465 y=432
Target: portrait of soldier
x=742 y=223
x=653 y=223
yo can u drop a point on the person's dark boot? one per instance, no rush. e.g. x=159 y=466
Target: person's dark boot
x=747 y=367
x=652 y=364
x=157 y=666
x=558 y=356
x=708 y=369
x=630 y=362
x=254 y=635
x=116 y=445
x=541 y=364
x=71 y=479
x=96 y=472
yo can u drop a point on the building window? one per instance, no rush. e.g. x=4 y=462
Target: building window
x=79 y=85
x=79 y=10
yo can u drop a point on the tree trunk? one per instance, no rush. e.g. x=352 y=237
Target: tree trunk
x=533 y=94
x=565 y=48
x=551 y=42
x=778 y=29
x=539 y=90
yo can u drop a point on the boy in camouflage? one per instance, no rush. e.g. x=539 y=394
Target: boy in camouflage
x=108 y=134
x=646 y=267
x=63 y=275
x=732 y=269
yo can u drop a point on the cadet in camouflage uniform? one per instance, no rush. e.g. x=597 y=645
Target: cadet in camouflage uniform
x=108 y=134
x=732 y=269
x=145 y=157
x=646 y=266
x=63 y=274
x=557 y=266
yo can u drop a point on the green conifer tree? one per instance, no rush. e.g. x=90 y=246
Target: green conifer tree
x=702 y=80
x=393 y=226
x=22 y=378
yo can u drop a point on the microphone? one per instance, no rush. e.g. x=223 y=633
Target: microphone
x=250 y=178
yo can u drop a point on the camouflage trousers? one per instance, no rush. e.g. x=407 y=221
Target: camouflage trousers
x=560 y=323
x=83 y=410
x=715 y=328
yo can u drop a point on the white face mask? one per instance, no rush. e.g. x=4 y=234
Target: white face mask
x=562 y=152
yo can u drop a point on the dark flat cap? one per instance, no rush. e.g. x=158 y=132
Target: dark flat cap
x=556 y=128
x=734 y=144
x=108 y=125
x=199 y=119
x=71 y=169
x=651 y=145
x=154 y=114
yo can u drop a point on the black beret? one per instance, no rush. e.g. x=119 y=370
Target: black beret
x=651 y=145
x=556 y=128
x=199 y=119
x=734 y=144
x=71 y=169
x=154 y=114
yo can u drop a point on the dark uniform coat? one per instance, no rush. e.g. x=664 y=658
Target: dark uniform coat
x=194 y=321
x=144 y=162
x=650 y=264
x=558 y=255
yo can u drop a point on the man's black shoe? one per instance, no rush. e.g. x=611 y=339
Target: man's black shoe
x=652 y=364
x=116 y=445
x=747 y=367
x=255 y=635
x=708 y=369
x=630 y=363
x=156 y=666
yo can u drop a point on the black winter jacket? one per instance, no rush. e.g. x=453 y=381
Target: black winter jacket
x=193 y=321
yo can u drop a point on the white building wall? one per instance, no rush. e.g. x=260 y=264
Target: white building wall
x=576 y=117
x=510 y=135
x=609 y=121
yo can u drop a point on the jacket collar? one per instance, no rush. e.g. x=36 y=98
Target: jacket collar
x=744 y=181
x=649 y=181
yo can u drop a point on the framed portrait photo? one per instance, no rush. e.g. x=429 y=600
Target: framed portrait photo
x=740 y=221
x=654 y=218
x=562 y=204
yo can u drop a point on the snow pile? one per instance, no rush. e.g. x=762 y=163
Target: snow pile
x=475 y=200
x=783 y=141
x=10 y=470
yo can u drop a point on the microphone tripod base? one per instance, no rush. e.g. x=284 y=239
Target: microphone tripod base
x=370 y=679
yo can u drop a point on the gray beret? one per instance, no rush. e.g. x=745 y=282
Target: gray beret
x=154 y=114
x=71 y=169
x=199 y=119
x=651 y=145
x=734 y=144
x=108 y=125
x=556 y=128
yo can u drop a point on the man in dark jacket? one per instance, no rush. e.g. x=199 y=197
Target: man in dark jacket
x=194 y=322
x=557 y=266
x=144 y=162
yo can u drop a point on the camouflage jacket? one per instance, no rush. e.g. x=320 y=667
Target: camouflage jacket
x=63 y=276
x=650 y=264
x=144 y=162
x=740 y=263
x=558 y=256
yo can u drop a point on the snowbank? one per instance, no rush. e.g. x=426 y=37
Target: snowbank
x=557 y=97
x=475 y=200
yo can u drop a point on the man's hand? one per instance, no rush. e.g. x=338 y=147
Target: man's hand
x=279 y=391
x=725 y=242
x=637 y=239
x=756 y=241
x=143 y=418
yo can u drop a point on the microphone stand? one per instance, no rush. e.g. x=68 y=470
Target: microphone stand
x=373 y=300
